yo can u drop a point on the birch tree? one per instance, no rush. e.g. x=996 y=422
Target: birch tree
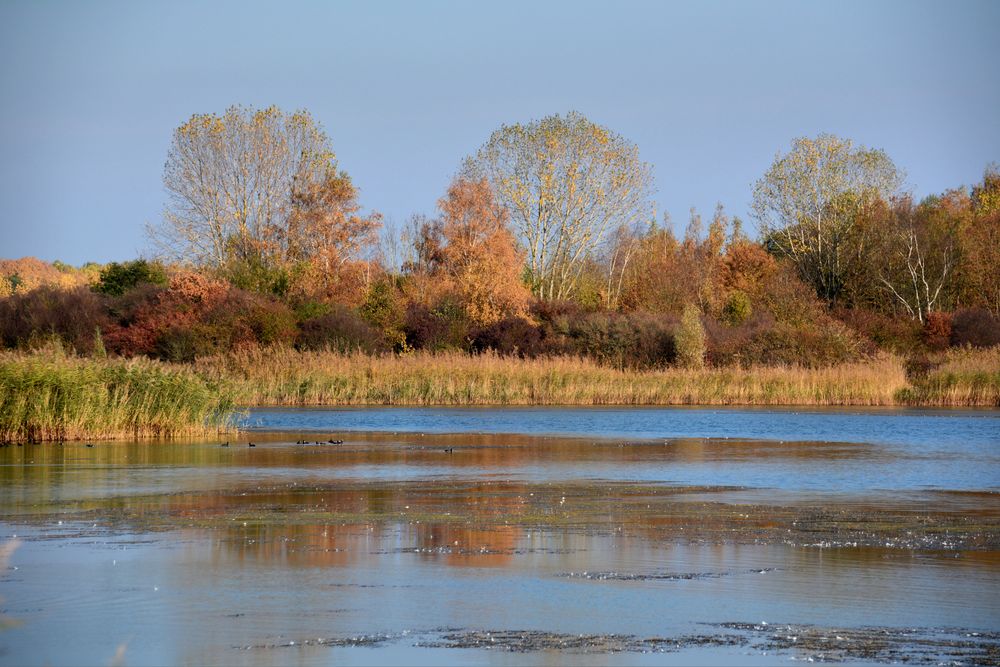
x=808 y=202
x=566 y=182
x=918 y=257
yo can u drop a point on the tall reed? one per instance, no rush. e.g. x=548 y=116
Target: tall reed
x=51 y=395
x=963 y=377
x=287 y=377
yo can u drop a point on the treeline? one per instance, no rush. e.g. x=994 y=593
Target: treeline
x=546 y=243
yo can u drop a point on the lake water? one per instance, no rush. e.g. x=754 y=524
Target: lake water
x=511 y=536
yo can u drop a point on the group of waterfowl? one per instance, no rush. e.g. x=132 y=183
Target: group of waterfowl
x=331 y=441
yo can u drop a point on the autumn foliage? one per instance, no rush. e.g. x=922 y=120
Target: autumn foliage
x=522 y=263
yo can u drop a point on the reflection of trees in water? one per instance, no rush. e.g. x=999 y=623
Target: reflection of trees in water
x=481 y=546
x=33 y=473
x=294 y=545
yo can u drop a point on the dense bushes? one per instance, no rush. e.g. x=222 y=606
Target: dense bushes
x=195 y=316
x=975 y=327
x=116 y=279
x=75 y=316
x=514 y=336
x=763 y=316
x=341 y=330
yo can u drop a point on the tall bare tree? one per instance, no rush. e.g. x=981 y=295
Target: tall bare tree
x=566 y=182
x=231 y=180
x=807 y=204
x=918 y=256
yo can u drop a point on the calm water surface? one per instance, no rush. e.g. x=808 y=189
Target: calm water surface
x=191 y=553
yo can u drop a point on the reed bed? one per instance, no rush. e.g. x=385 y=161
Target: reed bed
x=50 y=395
x=287 y=377
x=964 y=377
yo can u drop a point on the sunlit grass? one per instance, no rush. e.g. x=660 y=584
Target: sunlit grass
x=52 y=395
x=287 y=377
x=963 y=377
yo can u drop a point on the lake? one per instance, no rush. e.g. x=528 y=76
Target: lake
x=512 y=536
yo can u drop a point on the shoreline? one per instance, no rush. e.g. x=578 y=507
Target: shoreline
x=49 y=395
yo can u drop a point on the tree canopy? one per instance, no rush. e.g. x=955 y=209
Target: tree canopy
x=808 y=201
x=566 y=182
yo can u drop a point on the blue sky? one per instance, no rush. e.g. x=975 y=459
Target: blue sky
x=709 y=91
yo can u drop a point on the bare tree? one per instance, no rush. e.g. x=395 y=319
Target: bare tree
x=230 y=181
x=919 y=256
x=566 y=182
x=809 y=200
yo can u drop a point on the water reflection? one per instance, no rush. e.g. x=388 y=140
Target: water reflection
x=194 y=595
x=186 y=551
x=37 y=473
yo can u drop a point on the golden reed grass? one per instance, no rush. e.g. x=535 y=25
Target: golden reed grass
x=963 y=377
x=287 y=377
x=50 y=395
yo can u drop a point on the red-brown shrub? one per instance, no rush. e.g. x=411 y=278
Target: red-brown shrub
x=513 y=336
x=976 y=327
x=937 y=330
x=341 y=330
x=73 y=315
x=441 y=328
x=894 y=333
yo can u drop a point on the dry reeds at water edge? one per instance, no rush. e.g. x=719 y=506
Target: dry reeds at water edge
x=52 y=395
x=959 y=377
x=289 y=377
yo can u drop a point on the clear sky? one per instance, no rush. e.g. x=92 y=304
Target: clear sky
x=709 y=91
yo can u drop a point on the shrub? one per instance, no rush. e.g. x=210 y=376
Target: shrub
x=341 y=330
x=896 y=334
x=255 y=275
x=654 y=343
x=728 y=345
x=937 y=330
x=976 y=327
x=381 y=306
x=196 y=316
x=737 y=309
x=116 y=279
x=513 y=336
x=71 y=315
x=605 y=337
x=690 y=339
x=440 y=328
x=308 y=310
x=813 y=347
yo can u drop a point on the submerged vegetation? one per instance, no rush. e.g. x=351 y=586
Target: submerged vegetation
x=50 y=395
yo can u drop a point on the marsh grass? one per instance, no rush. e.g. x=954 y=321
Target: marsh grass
x=962 y=377
x=51 y=395
x=287 y=377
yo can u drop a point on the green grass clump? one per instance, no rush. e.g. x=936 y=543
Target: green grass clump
x=51 y=395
